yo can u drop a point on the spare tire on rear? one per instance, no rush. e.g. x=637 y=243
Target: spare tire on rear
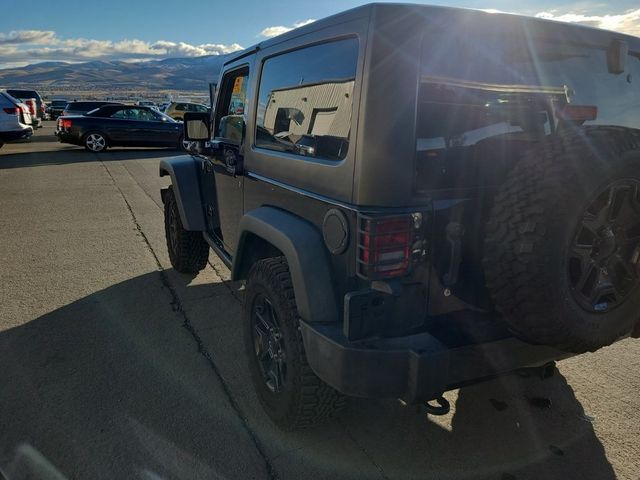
x=562 y=246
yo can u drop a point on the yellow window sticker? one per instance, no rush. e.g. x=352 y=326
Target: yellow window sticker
x=237 y=84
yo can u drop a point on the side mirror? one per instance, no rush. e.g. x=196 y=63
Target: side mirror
x=197 y=126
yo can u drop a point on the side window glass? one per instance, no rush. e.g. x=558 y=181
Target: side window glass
x=146 y=115
x=122 y=114
x=230 y=119
x=305 y=100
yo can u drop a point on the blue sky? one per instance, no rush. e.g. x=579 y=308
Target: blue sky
x=81 y=30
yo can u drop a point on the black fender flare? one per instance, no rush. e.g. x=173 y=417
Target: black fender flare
x=185 y=178
x=303 y=247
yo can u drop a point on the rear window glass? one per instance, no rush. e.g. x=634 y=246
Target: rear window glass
x=482 y=61
x=59 y=103
x=23 y=93
x=84 y=106
x=306 y=99
x=490 y=89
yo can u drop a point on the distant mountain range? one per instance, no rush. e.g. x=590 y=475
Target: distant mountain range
x=191 y=73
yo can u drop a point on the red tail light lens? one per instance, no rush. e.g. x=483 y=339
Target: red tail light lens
x=12 y=110
x=65 y=123
x=32 y=106
x=384 y=246
x=580 y=113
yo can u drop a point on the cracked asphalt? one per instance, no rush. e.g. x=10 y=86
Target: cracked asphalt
x=113 y=365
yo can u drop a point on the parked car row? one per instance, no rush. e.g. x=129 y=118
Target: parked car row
x=96 y=125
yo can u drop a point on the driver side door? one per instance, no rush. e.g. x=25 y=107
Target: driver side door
x=222 y=180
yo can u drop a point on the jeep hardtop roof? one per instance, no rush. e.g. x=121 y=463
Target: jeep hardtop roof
x=384 y=12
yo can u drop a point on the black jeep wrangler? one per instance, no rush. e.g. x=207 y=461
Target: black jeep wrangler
x=417 y=198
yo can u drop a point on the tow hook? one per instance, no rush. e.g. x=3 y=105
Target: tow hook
x=442 y=408
x=544 y=372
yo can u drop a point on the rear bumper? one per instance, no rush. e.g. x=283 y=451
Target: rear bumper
x=16 y=134
x=65 y=137
x=416 y=367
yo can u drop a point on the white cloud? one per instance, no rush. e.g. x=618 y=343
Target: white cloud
x=279 y=30
x=27 y=36
x=22 y=47
x=627 y=22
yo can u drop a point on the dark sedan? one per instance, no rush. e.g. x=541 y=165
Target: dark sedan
x=120 y=125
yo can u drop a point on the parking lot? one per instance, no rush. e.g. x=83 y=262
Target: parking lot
x=112 y=365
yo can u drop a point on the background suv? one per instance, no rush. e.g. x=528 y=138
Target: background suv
x=176 y=110
x=40 y=109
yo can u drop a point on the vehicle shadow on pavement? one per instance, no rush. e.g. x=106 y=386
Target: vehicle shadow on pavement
x=78 y=155
x=113 y=386
x=507 y=429
x=36 y=139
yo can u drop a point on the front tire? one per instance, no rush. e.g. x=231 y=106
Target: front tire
x=95 y=142
x=188 y=251
x=290 y=393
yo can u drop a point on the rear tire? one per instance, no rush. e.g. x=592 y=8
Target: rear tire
x=188 y=251
x=297 y=398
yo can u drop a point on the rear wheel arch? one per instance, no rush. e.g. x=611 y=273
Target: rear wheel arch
x=274 y=233
x=254 y=248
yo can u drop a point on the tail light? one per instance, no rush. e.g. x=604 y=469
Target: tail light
x=42 y=109
x=12 y=110
x=578 y=113
x=384 y=246
x=64 y=123
x=32 y=106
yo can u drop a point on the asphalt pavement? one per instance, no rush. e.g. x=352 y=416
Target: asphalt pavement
x=114 y=366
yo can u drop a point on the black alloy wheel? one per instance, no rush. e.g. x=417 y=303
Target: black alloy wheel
x=268 y=344
x=173 y=227
x=604 y=259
